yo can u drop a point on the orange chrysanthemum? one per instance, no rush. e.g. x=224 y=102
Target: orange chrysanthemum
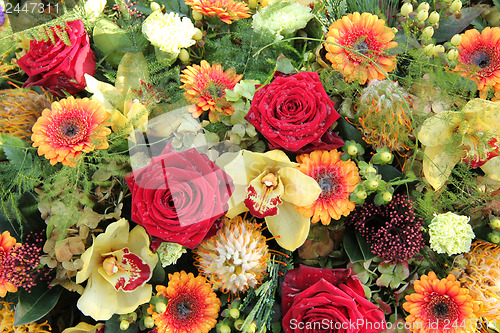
x=440 y=306
x=205 y=86
x=71 y=127
x=479 y=58
x=192 y=305
x=337 y=180
x=227 y=10
x=479 y=271
x=7 y=242
x=369 y=36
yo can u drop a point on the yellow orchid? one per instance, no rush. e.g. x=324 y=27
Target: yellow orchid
x=471 y=135
x=125 y=113
x=117 y=266
x=85 y=328
x=269 y=186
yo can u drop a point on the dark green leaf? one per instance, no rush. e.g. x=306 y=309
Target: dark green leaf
x=14 y=148
x=158 y=274
x=349 y=132
x=356 y=247
x=450 y=26
x=10 y=226
x=405 y=43
x=113 y=326
x=35 y=304
x=284 y=65
x=389 y=172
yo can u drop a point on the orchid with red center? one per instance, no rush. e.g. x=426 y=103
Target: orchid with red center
x=269 y=186
x=117 y=266
x=475 y=130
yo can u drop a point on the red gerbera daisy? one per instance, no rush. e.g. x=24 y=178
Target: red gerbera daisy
x=192 y=305
x=366 y=34
x=479 y=58
x=71 y=127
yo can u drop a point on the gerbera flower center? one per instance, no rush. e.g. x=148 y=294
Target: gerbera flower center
x=70 y=130
x=361 y=46
x=481 y=59
x=184 y=309
x=328 y=184
x=442 y=307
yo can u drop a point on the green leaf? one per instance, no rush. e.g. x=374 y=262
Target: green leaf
x=13 y=148
x=350 y=132
x=284 y=65
x=405 y=43
x=356 y=247
x=450 y=26
x=34 y=305
x=389 y=172
x=113 y=326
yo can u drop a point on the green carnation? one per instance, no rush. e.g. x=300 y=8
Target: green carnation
x=169 y=253
x=282 y=18
x=450 y=233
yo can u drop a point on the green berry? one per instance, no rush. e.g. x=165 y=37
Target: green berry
x=225 y=329
x=160 y=307
x=197 y=15
x=433 y=17
x=495 y=223
x=387 y=196
x=428 y=32
x=422 y=15
x=361 y=195
x=386 y=157
x=149 y=322
x=456 y=40
x=494 y=238
x=406 y=9
x=184 y=55
x=198 y=34
x=423 y=6
x=154 y=6
x=235 y=313
x=352 y=150
x=452 y=54
x=124 y=324
x=371 y=169
x=373 y=184
x=456 y=6
x=252 y=328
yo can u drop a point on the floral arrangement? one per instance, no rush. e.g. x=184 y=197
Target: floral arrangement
x=249 y=166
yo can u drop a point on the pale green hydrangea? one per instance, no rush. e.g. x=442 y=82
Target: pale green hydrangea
x=169 y=253
x=450 y=233
x=169 y=32
x=282 y=18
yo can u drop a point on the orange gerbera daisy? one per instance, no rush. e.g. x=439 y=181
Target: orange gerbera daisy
x=192 y=305
x=7 y=242
x=227 y=10
x=337 y=180
x=440 y=306
x=370 y=37
x=205 y=86
x=479 y=58
x=71 y=127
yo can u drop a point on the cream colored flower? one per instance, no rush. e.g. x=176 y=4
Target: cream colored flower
x=471 y=135
x=450 y=233
x=269 y=186
x=85 y=328
x=169 y=32
x=117 y=266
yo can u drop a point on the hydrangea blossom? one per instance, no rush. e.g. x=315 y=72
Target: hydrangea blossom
x=282 y=18
x=450 y=233
x=169 y=32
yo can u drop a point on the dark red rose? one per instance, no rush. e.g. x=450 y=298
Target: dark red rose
x=327 y=300
x=179 y=196
x=57 y=66
x=295 y=113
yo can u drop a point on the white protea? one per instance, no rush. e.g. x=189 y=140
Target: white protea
x=235 y=259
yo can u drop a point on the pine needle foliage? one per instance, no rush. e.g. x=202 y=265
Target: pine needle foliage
x=237 y=48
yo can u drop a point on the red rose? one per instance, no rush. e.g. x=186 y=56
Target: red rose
x=295 y=113
x=57 y=66
x=327 y=300
x=179 y=196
